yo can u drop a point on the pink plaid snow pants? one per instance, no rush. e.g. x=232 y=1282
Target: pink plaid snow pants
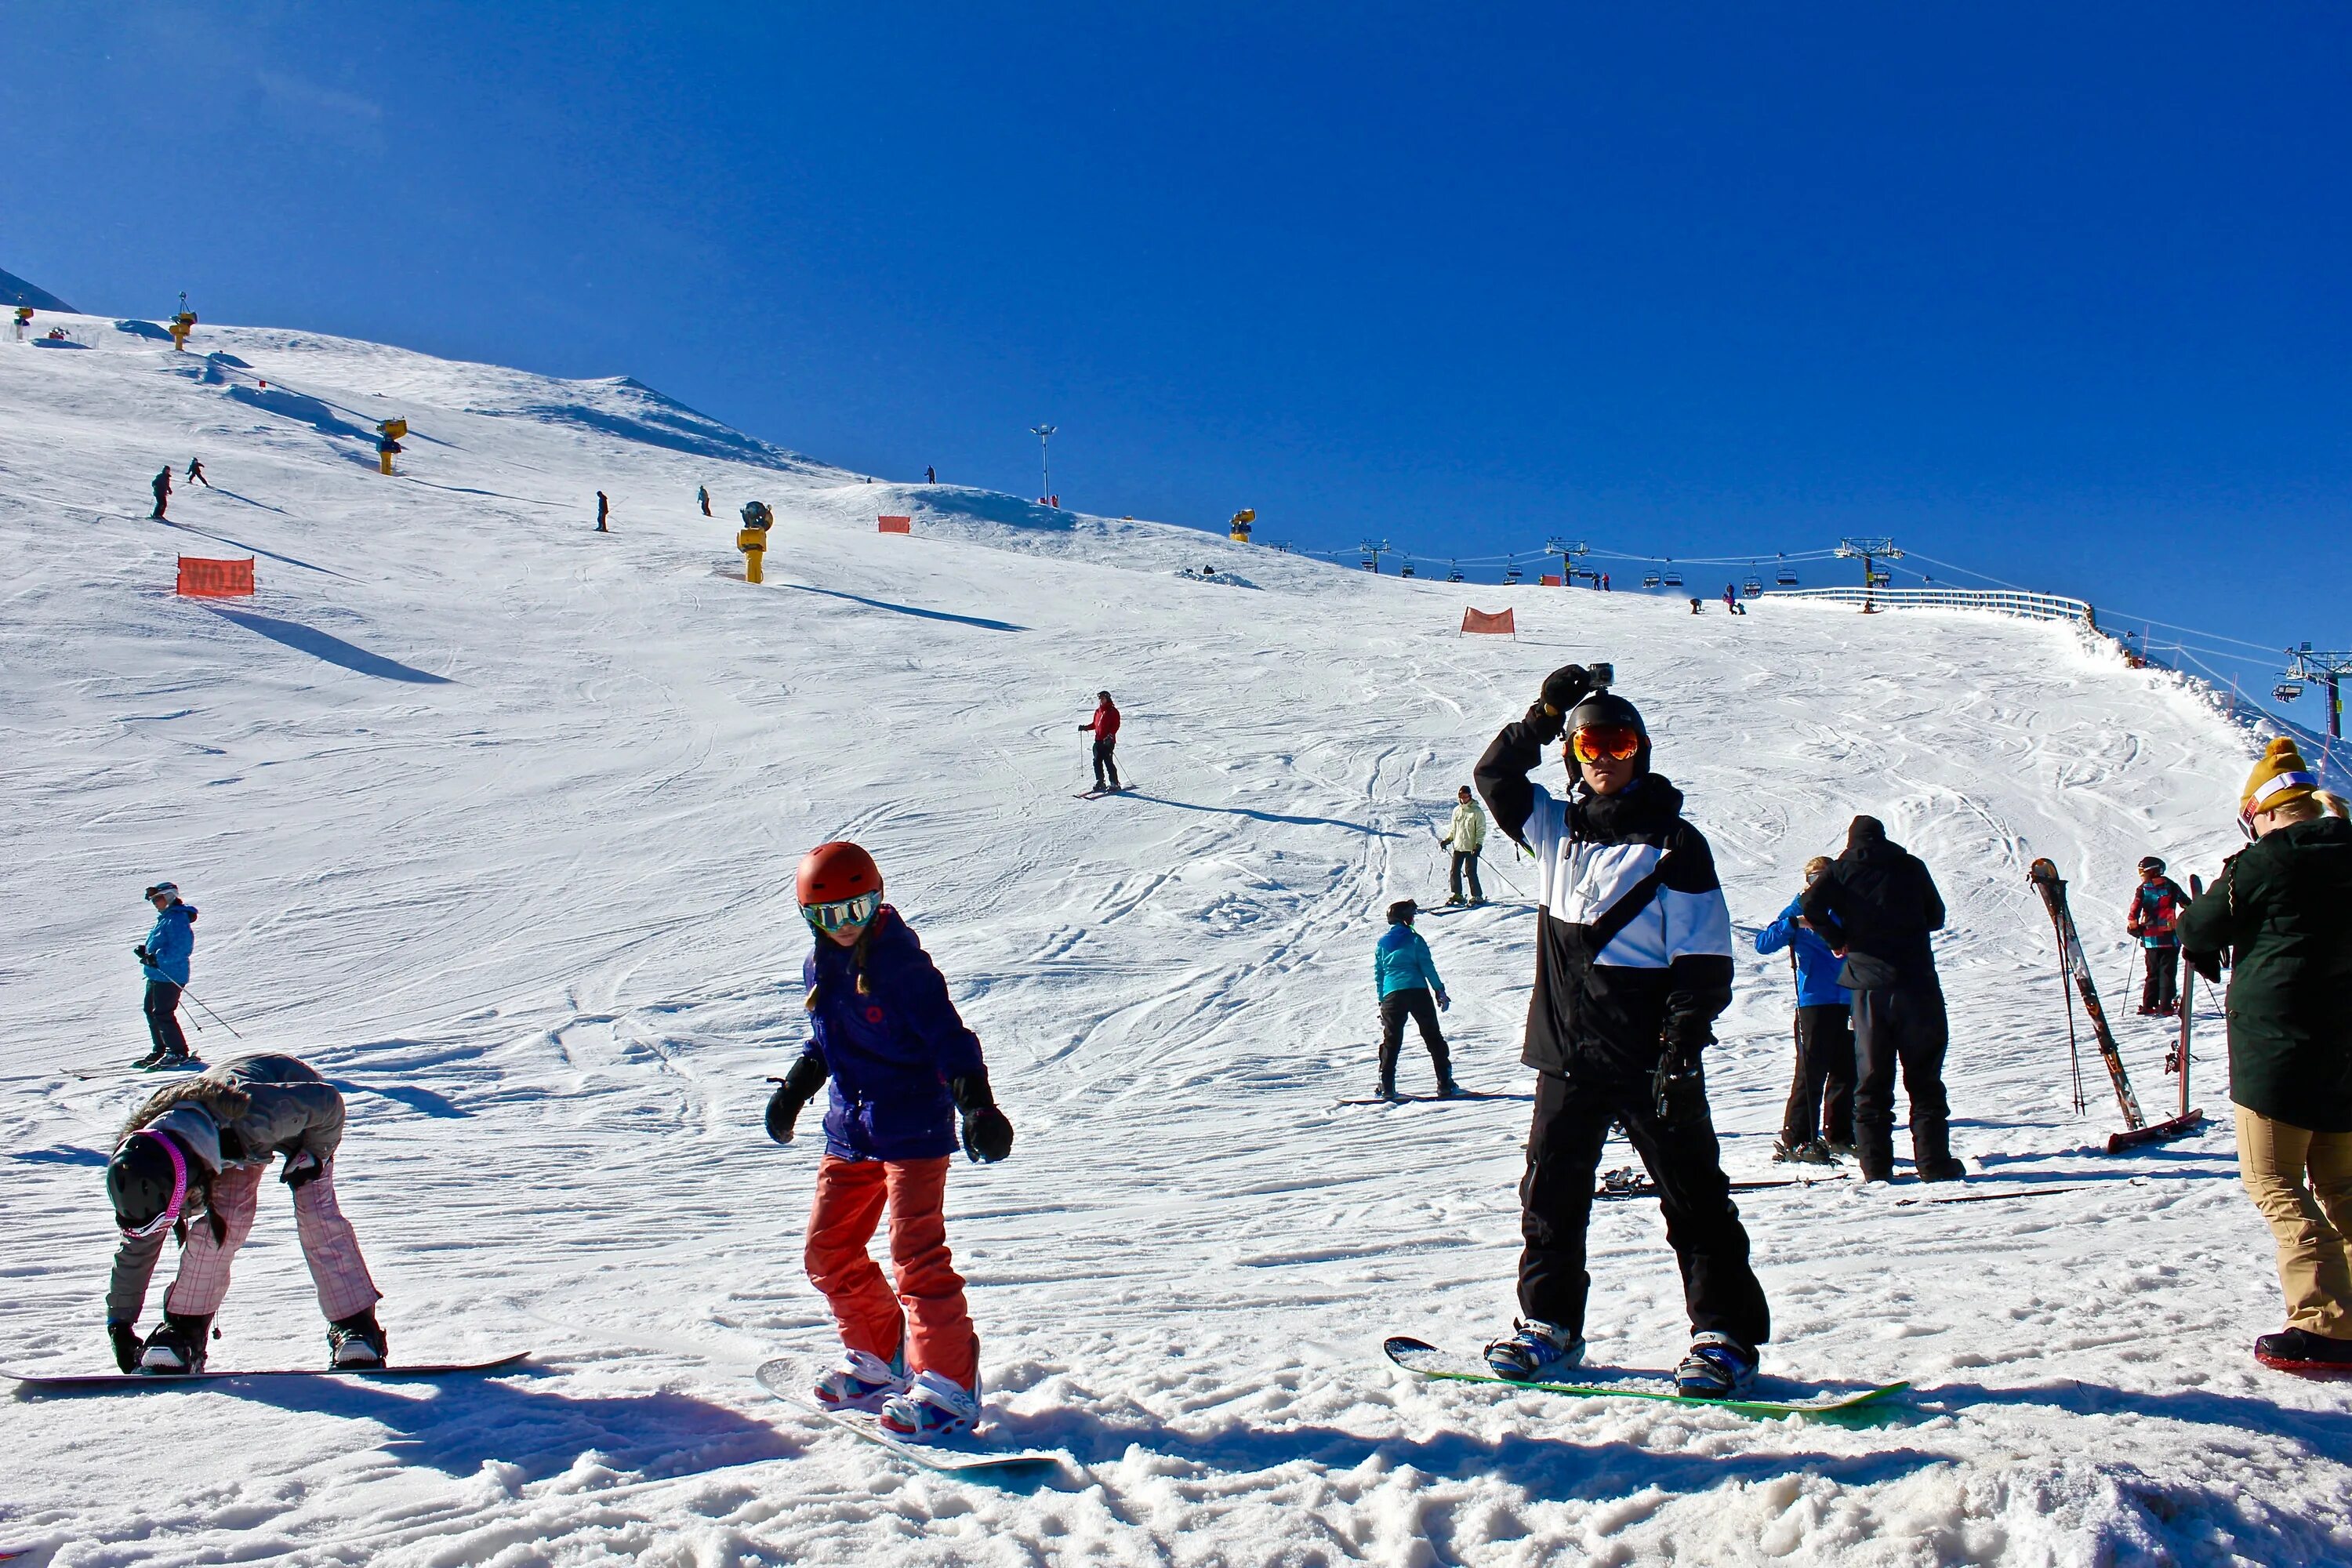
x=330 y=1247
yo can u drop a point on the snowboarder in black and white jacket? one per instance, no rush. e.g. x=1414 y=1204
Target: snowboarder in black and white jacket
x=1632 y=966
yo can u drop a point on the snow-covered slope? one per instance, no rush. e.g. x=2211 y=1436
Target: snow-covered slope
x=494 y=818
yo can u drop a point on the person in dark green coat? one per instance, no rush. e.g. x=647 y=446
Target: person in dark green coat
x=2282 y=905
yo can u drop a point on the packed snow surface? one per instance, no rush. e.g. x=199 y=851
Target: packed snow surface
x=494 y=819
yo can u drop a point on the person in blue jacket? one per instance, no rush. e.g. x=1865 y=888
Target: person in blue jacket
x=1818 y=1124
x=885 y=1036
x=1407 y=978
x=164 y=959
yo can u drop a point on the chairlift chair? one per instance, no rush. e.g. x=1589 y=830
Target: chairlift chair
x=1786 y=576
x=1752 y=587
x=1674 y=578
x=1512 y=575
x=1452 y=573
x=1406 y=570
x=2287 y=690
x=1651 y=580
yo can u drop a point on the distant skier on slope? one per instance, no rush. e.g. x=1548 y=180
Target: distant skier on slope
x=196 y=473
x=2283 y=906
x=1817 y=1123
x=189 y=1162
x=1875 y=905
x=162 y=486
x=702 y=494
x=1405 y=977
x=1465 y=836
x=931 y=475
x=603 y=511
x=1633 y=965
x=2154 y=917
x=902 y=1067
x=1105 y=725
x=164 y=959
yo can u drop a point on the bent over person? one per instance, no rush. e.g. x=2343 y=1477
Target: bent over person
x=1632 y=966
x=189 y=1163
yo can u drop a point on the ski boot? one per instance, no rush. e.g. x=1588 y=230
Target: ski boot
x=1386 y=1091
x=1448 y=1090
x=1454 y=902
x=1944 y=1170
x=861 y=1382
x=932 y=1407
x=177 y=1346
x=148 y=1062
x=1839 y=1150
x=2301 y=1351
x=1718 y=1367
x=1812 y=1152
x=1535 y=1351
x=358 y=1341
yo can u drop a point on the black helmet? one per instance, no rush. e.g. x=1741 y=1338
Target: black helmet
x=1402 y=911
x=1607 y=709
x=147 y=1182
x=2152 y=864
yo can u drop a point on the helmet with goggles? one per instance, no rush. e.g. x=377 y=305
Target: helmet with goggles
x=1605 y=727
x=838 y=886
x=147 y=1182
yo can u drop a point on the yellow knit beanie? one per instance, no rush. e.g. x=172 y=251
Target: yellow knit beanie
x=2281 y=776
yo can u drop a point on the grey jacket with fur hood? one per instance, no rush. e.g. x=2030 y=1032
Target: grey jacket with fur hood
x=238 y=1113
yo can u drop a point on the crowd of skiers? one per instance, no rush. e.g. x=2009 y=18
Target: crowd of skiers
x=1633 y=965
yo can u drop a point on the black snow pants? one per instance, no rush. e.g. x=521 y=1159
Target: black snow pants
x=1906 y=1026
x=1466 y=862
x=1820 y=1101
x=1104 y=765
x=162 y=1008
x=1423 y=1006
x=1678 y=1150
x=2162 y=988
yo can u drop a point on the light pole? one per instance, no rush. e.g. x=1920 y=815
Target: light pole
x=1870 y=552
x=1044 y=432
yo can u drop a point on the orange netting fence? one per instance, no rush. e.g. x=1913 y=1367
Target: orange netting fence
x=216 y=579
x=1480 y=621
x=897 y=525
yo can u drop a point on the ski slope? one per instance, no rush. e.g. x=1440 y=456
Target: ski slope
x=494 y=819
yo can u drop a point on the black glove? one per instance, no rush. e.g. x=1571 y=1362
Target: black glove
x=793 y=1091
x=987 y=1134
x=127 y=1345
x=302 y=1169
x=139 y=952
x=1678 y=1065
x=1565 y=687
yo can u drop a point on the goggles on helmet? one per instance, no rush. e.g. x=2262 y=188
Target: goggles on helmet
x=1604 y=743
x=841 y=914
x=164 y=1221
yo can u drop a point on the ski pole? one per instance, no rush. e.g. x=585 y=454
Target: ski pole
x=200 y=1002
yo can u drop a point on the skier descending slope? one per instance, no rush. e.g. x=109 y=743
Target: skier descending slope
x=901 y=1065
x=2283 y=904
x=1633 y=965
x=189 y=1163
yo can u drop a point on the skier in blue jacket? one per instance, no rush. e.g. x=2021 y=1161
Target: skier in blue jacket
x=164 y=959
x=1406 y=976
x=1818 y=1124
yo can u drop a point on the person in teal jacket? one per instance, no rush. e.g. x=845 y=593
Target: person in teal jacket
x=1407 y=978
x=164 y=959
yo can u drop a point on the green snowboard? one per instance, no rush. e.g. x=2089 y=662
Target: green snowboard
x=1424 y=1360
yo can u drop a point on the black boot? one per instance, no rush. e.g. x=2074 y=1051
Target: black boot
x=1874 y=1151
x=1931 y=1150
x=2300 y=1349
x=177 y=1346
x=150 y=1060
x=358 y=1341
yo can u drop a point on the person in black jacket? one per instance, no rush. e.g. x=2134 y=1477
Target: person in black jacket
x=1632 y=966
x=1874 y=906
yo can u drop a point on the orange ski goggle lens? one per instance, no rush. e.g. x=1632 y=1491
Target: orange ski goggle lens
x=1605 y=742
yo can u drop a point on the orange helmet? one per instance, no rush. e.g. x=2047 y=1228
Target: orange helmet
x=832 y=872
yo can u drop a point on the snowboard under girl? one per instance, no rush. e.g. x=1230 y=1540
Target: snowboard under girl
x=902 y=1067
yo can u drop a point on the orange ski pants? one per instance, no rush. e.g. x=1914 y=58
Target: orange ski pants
x=926 y=1310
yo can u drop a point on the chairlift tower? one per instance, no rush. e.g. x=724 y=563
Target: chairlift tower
x=1569 y=554
x=1870 y=553
x=2326 y=667
x=1373 y=549
x=1044 y=432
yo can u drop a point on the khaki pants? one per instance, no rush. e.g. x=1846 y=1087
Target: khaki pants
x=2312 y=1221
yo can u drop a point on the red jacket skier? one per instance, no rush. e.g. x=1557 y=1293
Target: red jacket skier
x=1105 y=725
x=2154 y=917
x=902 y=1067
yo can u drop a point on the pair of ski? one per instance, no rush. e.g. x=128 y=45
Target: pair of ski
x=1098 y=794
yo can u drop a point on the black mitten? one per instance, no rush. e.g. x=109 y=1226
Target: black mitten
x=793 y=1091
x=987 y=1134
x=1565 y=687
x=127 y=1345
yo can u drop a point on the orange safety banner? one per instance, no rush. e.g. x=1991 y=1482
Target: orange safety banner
x=216 y=579
x=897 y=525
x=1550 y=580
x=1480 y=621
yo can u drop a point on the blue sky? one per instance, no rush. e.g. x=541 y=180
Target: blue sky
x=2055 y=293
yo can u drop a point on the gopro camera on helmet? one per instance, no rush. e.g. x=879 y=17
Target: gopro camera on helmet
x=1602 y=675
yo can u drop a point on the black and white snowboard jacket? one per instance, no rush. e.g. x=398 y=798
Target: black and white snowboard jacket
x=1635 y=943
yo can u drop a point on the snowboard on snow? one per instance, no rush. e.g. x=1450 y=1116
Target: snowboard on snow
x=1424 y=1360
x=2136 y=1127
x=144 y=1382
x=788 y=1381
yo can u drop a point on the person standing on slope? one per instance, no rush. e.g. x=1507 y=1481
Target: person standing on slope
x=1405 y=976
x=1632 y=966
x=603 y=511
x=164 y=959
x=702 y=494
x=1875 y=905
x=2154 y=917
x=1818 y=1124
x=931 y=475
x=1105 y=725
x=903 y=1067
x=196 y=473
x=1465 y=836
x=2284 y=905
x=162 y=486
x=189 y=1163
